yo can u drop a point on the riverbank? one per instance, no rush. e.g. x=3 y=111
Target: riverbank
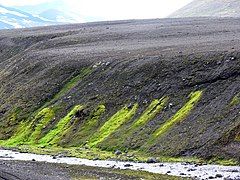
x=22 y=170
x=185 y=170
x=133 y=156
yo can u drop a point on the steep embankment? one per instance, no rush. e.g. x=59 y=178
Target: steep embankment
x=159 y=87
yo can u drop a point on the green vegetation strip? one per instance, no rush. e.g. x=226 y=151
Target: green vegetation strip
x=55 y=135
x=23 y=131
x=93 y=153
x=150 y=113
x=88 y=127
x=237 y=138
x=26 y=131
x=180 y=115
x=236 y=100
x=94 y=117
x=112 y=124
x=46 y=115
x=152 y=110
x=70 y=84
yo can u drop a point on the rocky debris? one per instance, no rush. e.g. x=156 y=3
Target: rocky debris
x=170 y=105
x=186 y=163
x=127 y=165
x=145 y=101
x=152 y=160
x=235 y=170
x=199 y=164
x=58 y=156
x=6 y=156
x=219 y=176
x=94 y=97
x=81 y=113
x=130 y=105
x=2 y=112
x=100 y=64
x=107 y=63
x=117 y=152
x=176 y=169
x=191 y=170
x=182 y=174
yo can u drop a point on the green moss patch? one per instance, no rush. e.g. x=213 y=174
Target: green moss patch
x=122 y=116
x=13 y=116
x=236 y=100
x=94 y=117
x=46 y=115
x=124 y=136
x=152 y=110
x=27 y=132
x=23 y=131
x=55 y=134
x=86 y=129
x=8 y=126
x=224 y=162
x=180 y=115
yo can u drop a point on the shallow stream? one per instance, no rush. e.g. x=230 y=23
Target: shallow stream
x=176 y=169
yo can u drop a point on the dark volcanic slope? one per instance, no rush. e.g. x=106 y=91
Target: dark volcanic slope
x=214 y=8
x=178 y=80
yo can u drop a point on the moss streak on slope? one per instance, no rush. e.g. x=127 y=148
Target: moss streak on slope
x=236 y=100
x=70 y=84
x=180 y=115
x=112 y=124
x=26 y=129
x=88 y=126
x=125 y=134
x=46 y=115
x=152 y=110
x=23 y=131
x=9 y=124
x=94 y=117
x=55 y=135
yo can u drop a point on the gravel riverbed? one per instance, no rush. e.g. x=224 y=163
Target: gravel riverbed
x=195 y=171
